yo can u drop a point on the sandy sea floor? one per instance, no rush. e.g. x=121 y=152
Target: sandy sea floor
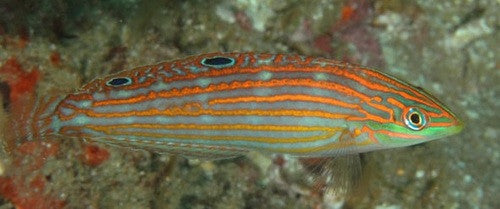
x=450 y=48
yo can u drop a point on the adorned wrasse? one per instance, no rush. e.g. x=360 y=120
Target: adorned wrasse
x=223 y=105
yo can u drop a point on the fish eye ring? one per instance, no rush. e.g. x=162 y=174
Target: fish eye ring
x=120 y=81
x=414 y=119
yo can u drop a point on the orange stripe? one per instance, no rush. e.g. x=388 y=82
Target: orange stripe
x=442 y=124
x=396 y=103
x=264 y=56
x=371 y=135
x=278 y=59
x=194 y=109
x=399 y=135
x=80 y=96
x=284 y=97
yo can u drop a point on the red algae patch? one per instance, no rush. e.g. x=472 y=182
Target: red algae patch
x=27 y=196
x=94 y=155
x=21 y=82
x=20 y=187
x=39 y=150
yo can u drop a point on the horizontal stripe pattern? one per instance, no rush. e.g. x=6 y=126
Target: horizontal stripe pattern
x=238 y=102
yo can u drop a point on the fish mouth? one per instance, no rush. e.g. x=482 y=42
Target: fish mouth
x=451 y=129
x=458 y=127
x=455 y=128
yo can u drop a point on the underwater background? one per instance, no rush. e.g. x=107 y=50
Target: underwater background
x=450 y=48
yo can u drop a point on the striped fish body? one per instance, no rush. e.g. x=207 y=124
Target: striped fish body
x=223 y=105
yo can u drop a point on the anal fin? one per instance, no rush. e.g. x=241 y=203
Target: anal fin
x=191 y=151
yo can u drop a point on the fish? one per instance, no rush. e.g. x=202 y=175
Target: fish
x=225 y=105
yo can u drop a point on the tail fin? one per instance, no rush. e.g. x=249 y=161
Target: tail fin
x=28 y=114
x=29 y=119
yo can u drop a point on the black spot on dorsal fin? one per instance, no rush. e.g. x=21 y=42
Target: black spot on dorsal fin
x=218 y=62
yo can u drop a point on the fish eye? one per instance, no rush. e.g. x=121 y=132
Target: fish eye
x=121 y=81
x=218 y=62
x=414 y=119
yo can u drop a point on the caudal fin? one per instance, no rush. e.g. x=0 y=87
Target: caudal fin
x=27 y=112
x=29 y=119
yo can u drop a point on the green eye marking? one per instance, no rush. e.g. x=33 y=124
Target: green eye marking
x=414 y=119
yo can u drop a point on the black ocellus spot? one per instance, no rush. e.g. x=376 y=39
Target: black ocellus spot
x=119 y=81
x=218 y=62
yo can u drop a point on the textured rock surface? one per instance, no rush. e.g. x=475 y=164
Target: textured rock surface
x=449 y=48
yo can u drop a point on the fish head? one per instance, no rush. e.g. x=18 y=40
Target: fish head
x=415 y=117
